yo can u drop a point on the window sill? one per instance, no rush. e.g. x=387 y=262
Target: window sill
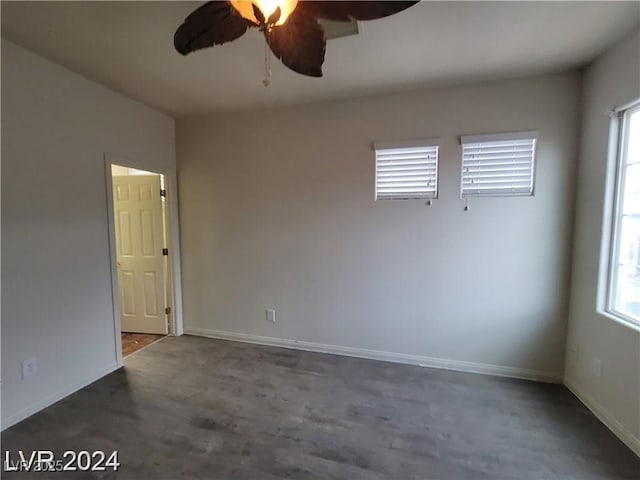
x=620 y=320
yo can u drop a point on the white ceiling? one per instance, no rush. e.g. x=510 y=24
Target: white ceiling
x=128 y=46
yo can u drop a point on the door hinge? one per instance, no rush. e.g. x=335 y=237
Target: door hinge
x=165 y=251
x=167 y=310
x=163 y=192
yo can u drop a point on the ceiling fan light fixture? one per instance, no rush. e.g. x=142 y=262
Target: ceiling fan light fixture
x=267 y=7
x=291 y=28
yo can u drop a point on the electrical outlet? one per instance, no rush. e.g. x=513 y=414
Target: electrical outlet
x=29 y=368
x=596 y=366
x=271 y=315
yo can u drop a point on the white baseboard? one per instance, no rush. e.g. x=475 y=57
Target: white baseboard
x=620 y=431
x=458 y=365
x=55 y=397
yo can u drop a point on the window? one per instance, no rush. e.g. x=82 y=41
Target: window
x=407 y=170
x=624 y=276
x=498 y=165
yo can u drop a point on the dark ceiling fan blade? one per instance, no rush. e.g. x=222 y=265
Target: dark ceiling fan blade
x=299 y=44
x=356 y=10
x=214 y=23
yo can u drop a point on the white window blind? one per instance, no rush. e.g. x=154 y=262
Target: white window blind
x=407 y=170
x=498 y=165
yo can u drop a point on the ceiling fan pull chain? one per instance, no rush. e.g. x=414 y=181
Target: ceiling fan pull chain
x=267 y=64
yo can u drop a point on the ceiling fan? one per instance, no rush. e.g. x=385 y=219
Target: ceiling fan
x=290 y=27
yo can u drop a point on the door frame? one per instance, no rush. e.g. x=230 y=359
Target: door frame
x=176 y=326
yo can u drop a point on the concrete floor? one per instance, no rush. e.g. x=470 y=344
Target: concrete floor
x=194 y=408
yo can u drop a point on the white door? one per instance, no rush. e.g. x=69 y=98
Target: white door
x=139 y=244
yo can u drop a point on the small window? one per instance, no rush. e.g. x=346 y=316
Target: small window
x=407 y=170
x=498 y=165
x=624 y=277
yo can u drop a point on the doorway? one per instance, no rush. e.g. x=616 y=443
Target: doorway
x=143 y=278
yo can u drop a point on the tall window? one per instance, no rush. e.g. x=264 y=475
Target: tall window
x=624 y=277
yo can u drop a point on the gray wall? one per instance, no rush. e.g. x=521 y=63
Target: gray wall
x=277 y=211
x=613 y=80
x=56 y=282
